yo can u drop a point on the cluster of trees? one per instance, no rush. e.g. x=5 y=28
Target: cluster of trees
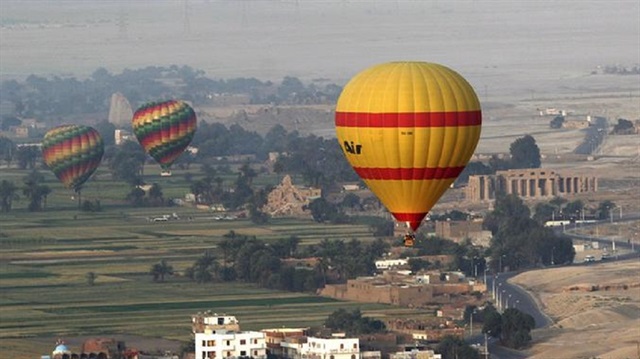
x=32 y=188
x=249 y=259
x=306 y=156
x=524 y=153
x=561 y=209
x=452 y=347
x=324 y=211
x=623 y=127
x=353 y=323
x=513 y=327
x=557 y=122
x=520 y=241
x=61 y=97
x=621 y=70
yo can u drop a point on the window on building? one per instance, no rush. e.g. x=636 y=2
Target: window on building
x=255 y=353
x=353 y=356
x=342 y=346
x=220 y=320
x=243 y=353
x=228 y=354
x=332 y=357
x=204 y=343
x=243 y=341
x=211 y=343
x=255 y=341
x=228 y=342
x=355 y=345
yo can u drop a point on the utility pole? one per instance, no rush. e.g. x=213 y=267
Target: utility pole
x=486 y=347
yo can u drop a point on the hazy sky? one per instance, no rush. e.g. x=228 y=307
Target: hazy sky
x=498 y=45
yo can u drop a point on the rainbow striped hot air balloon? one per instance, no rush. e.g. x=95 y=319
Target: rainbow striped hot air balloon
x=408 y=129
x=164 y=129
x=73 y=153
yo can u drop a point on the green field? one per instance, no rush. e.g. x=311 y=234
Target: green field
x=45 y=257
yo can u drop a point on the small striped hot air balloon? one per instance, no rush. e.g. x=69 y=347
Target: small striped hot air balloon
x=164 y=129
x=408 y=129
x=73 y=153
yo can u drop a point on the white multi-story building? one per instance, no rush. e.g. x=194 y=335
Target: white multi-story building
x=230 y=344
x=322 y=348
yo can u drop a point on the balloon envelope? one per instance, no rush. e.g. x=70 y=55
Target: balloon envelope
x=73 y=153
x=164 y=129
x=408 y=129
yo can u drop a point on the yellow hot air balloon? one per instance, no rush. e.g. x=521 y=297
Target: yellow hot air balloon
x=408 y=129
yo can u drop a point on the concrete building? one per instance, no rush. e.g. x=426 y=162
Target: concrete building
x=213 y=322
x=322 y=348
x=275 y=337
x=458 y=231
x=401 y=289
x=527 y=183
x=429 y=330
x=230 y=344
x=384 y=264
x=120 y=136
x=415 y=354
x=94 y=348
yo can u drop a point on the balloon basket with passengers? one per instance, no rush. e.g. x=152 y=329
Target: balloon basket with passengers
x=408 y=130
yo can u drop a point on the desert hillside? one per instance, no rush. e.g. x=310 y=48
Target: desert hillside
x=595 y=309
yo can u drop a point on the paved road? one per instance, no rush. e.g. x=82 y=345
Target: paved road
x=508 y=295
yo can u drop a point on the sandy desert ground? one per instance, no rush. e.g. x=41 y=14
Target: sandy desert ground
x=602 y=323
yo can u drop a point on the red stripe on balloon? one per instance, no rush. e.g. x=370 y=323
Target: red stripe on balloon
x=426 y=173
x=414 y=219
x=417 y=119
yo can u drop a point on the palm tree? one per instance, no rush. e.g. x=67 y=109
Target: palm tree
x=91 y=278
x=7 y=195
x=155 y=194
x=35 y=191
x=247 y=173
x=161 y=270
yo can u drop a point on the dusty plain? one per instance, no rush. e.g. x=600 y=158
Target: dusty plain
x=588 y=323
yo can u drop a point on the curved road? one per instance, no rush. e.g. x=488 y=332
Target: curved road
x=507 y=295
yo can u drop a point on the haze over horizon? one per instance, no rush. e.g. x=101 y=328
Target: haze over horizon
x=502 y=47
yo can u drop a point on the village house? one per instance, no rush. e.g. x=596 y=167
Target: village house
x=321 y=348
x=406 y=290
x=459 y=231
x=415 y=354
x=212 y=322
x=275 y=337
x=99 y=348
x=427 y=330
